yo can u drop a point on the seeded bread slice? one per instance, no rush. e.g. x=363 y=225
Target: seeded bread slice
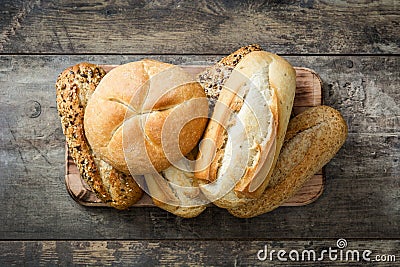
x=74 y=87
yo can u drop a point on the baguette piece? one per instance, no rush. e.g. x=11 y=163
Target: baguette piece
x=260 y=90
x=312 y=139
x=74 y=87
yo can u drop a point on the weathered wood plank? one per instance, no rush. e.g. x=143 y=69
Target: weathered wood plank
x=199 y=27
x=198 y=253
x=362 y=179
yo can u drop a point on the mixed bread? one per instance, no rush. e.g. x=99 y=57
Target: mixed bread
x=223 y=136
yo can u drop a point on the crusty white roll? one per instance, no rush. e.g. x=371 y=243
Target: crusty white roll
x=145 y=115
x=246 y=129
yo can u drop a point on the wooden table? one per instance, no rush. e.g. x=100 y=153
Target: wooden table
x=353 y=46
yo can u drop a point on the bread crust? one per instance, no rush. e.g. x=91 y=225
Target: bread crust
x=312 y=139
x=186 y=203
x=214 y=77
x=233 y=59
x=282 y=84
x=282 y=78
x=176 y=191
x=126 y=119
x=74 y=87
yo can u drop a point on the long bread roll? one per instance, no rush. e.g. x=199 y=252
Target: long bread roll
x=247 y=127
x=75 y=86
x=312 y=139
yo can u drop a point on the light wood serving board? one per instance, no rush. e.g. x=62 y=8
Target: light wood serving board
x=308 y=94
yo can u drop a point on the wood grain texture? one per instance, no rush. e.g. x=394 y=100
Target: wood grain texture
x=190 y=253
x=199 y=27
x=361 y=199
x=308 y=94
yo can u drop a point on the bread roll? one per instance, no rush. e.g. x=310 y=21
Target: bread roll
x=144 y=116
x=247 y=129
x=74 y=86
x=312 y=139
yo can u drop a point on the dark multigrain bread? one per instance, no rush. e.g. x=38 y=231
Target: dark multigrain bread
x=233 y=59
x=215 y=76
x=74 y=87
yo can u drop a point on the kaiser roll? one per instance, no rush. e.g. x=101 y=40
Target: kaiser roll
x=144 y=116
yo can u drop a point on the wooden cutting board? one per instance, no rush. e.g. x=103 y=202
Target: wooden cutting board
x=308 y=94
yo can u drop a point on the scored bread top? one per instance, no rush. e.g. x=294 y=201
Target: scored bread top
x=145 y=115
x=282 y=79
x=277 y=77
